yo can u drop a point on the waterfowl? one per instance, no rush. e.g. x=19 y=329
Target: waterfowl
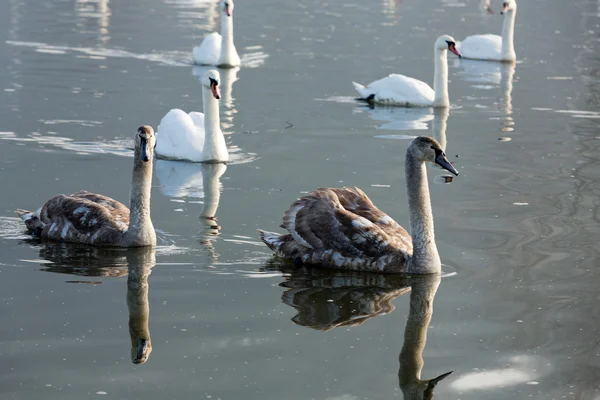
x=195 y=136
x=218 y=49
x=342 y=228
x=493 y=47
x=98 y=220
x=400 y=90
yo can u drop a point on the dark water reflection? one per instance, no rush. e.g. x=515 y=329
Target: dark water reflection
x=326 y=300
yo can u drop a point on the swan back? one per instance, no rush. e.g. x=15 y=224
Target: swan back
x=180 y=135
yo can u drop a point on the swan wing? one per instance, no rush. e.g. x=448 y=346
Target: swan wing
x=209 y=51
x=179 y=137
x=346 y=222
x=84 y=217
x=397 y=89
x=481 y=47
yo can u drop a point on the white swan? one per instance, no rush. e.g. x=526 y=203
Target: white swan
x=493 y=47
x=342 y=228
x=218 y=49
x=400 y=90
x=195 y=136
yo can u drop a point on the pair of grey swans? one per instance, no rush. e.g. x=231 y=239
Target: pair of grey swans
x=338 y=228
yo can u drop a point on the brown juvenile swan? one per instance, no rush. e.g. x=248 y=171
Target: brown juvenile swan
x=94 y=219
x=342 y=228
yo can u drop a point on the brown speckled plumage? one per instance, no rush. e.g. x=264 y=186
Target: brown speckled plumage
x=342 y=228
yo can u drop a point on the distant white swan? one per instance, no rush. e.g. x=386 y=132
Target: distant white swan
x=493 y=47
x=218 y=49
x=195 y=136
x=400 y=90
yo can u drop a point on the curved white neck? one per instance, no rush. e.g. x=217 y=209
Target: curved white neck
x=228 y=52
x=425 y=258
x=440 y=79
x=140 y=228
x=214 y=142
x=508 y=33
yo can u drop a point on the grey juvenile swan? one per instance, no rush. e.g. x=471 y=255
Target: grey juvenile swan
x=342 y=228
x=94 y=219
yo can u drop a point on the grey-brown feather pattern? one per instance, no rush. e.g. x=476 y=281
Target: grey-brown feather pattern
x=341 y=228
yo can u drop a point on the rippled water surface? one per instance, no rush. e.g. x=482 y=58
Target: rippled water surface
x=208 y=314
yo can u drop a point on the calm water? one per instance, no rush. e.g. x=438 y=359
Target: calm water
x=516 y=313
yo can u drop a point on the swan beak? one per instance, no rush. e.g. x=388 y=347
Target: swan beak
x=504 y=8
x=443 y=162
x=452 y=48
x=215 y=90
x=141 y=354
x=144 y=151
x=228 y=11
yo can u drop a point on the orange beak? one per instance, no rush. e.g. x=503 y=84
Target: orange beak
x=215 y=91
x=452 y=48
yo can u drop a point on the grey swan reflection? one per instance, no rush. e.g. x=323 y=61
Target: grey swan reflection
x=136 y=263
x=326 y=300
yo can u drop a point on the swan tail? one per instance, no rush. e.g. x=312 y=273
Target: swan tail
x=32 y=221
x=273 y=240
x=360 y=89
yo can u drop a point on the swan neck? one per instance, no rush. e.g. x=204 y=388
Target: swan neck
x=141 y=230
x=139 y=307
x=425 y=258
x=415 y=333
x=214 y=148
x=229 y=56
x=508 y=32
x=440 y=79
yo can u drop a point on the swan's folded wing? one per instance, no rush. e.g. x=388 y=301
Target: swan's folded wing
x=114 y=207
x=320 y=221
x=209 y=51
x=401 y=89
x=76 y=218
x=481 y=46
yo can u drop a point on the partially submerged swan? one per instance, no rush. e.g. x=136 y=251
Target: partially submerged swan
x=218 y=49
x=195 y=136
x=94 y=219
x=493 y=47
x=342 y=228
x=400 y=90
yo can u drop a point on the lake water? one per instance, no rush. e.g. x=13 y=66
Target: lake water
x=516 y=312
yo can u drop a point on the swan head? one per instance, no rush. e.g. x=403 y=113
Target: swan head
x=508 y=5
x=212 y=81
x=227 y=7
x=447 y=42
x=145 y=141
x=426 y=148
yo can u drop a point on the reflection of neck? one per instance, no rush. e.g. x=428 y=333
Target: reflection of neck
x=141 y=230
x=425 y=258
x=415 y=336
x=440 y=79
x=506 y=84
x=212 y=188
x=440 y=118
x=508 y=30
x=140 y=262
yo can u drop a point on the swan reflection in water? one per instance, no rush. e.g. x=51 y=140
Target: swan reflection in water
x=488 y=75
x=136 y=263
x=326 y=300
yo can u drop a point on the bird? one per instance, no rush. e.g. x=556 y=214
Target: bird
x=94 y=219
x=402 y=91
x=493 y=47
x=195 y=136
x=343 y=229
x=218 y=49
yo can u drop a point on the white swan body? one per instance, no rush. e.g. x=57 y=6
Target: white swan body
x=218 y=49
x=493 y=47
x=400 y=90
x=195 y=136
x=342 y=228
